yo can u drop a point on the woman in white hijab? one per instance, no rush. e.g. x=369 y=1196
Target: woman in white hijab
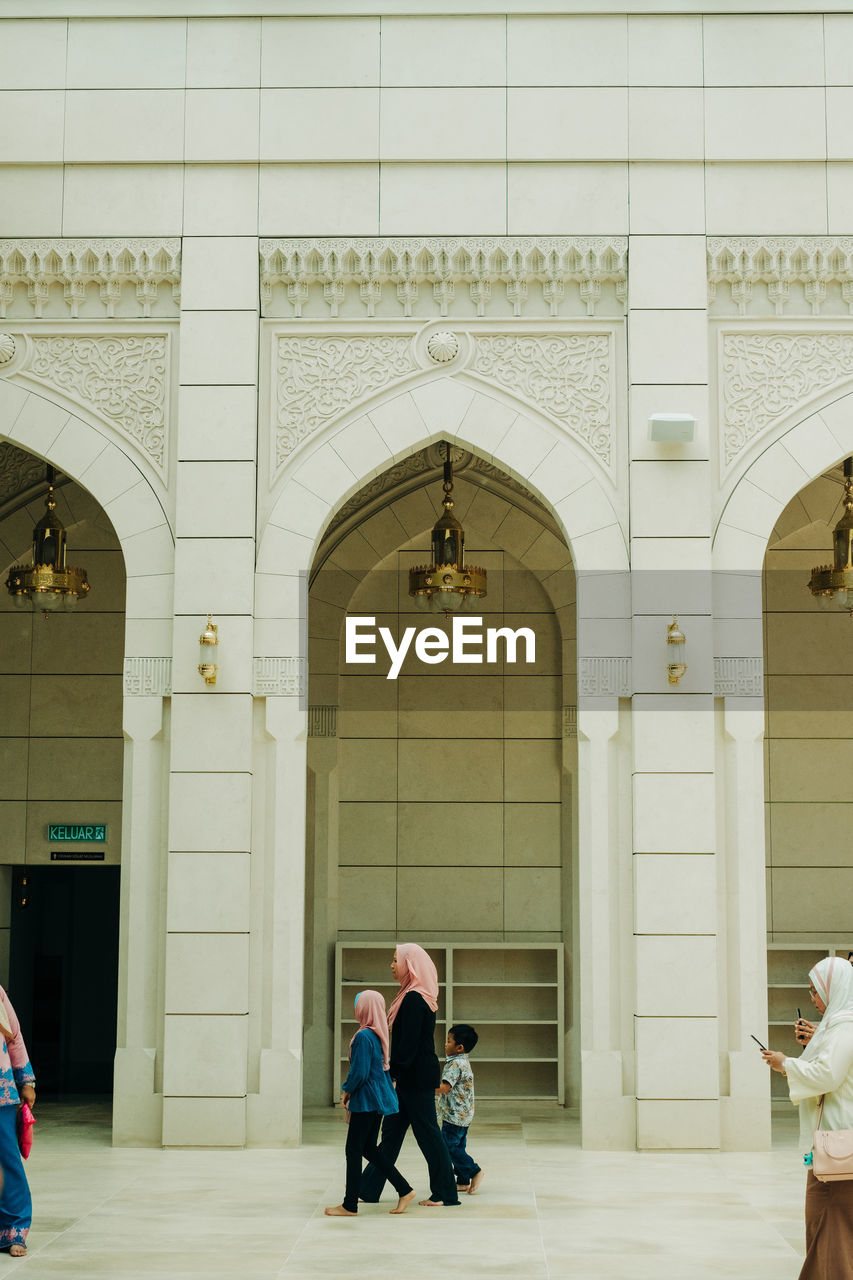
x=825 y=1069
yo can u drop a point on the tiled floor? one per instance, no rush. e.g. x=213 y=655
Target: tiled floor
x=546 y=1209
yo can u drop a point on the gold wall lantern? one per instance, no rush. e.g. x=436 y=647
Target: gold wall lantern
x=447 y=584
x=48 y=583
x=832 y=585
x=675 y=636
x=207 y=643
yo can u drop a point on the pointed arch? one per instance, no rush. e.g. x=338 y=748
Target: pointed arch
x=816 y=441
x=331 y=466
x=35 y=422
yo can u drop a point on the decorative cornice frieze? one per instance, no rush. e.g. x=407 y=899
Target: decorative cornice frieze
x=147 y=677
x=89 y=278
x=123 y=378
x=738 y=677
x=568 y=376
x=781 y=275
x=604 y=678
x=322 y=721
x=764 y=376
x=280 y=677
x=426 y=276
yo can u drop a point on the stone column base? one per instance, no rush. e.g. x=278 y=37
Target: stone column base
x=137 y=1108
x=608 y=1116
x=274 y=1114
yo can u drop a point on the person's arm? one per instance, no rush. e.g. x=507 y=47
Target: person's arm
x=18 y=1057
x=359 y=1066
x=824 y=1072
x=407 y=1032
x=449 y=1076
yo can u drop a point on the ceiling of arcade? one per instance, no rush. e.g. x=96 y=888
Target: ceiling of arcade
x=22 y=477
x=810 y=516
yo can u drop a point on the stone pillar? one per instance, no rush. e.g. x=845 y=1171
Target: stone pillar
x=570 y=912
x=278 y=904
x=138 y=1088
x=607 y=1108
x=603 y=880
x=674 y=830
x=321 y=902
x=210 y=798
x=745 y=1105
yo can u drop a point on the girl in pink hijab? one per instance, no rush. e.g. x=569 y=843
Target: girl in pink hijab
x=415 y=1071
x=368 y=1095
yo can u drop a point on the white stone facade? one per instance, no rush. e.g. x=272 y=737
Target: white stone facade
x=249 y=263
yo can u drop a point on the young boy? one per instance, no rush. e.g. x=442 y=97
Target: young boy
x=456 y=1105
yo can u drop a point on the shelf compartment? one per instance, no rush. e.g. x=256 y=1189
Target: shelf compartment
x=790 y=965
x=377 y=959
x=375 y=984
x=348 y=996
x=515 y=1040
x=494 y=966
x=515 y=1004
x=503 y=985
x=783 y=1002
x=518 y=1059
x=516 y=1079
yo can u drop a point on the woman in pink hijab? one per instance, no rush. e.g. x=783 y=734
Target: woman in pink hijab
x=368 y=1095
x=415 y=1071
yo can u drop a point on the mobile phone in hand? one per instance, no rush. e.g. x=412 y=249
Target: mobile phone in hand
x=761 y=1046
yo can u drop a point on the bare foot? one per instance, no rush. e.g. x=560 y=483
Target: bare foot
x=475 y=1182
x=404 y=1202
x=338 y=1211
x=462 y=1186
x=432 y=1204
x=18 y=1251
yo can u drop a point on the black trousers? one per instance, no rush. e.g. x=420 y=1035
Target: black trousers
x=362 y=1132
x=417 y=1108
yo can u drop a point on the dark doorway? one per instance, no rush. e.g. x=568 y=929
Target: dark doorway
x=63 y=973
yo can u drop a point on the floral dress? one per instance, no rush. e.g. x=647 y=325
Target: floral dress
x=16 y=1206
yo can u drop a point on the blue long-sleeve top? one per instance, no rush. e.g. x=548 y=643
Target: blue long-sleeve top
x=367 y=1083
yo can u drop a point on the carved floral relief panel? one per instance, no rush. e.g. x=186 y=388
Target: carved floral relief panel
x=764 y=376
x=567 y=376
x=122 y=377
x=318 y=378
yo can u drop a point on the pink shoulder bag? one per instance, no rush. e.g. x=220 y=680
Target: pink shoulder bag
x=832 y=1151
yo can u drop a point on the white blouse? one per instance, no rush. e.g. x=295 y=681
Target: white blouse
x=829 y=1071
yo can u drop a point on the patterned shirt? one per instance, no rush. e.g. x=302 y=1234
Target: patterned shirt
x=457 y=1107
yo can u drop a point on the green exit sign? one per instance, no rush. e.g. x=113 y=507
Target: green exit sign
x=72 y=833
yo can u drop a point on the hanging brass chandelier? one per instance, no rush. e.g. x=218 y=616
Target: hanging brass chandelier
x=48 y=583
x=448 y=584
x=833 y=584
